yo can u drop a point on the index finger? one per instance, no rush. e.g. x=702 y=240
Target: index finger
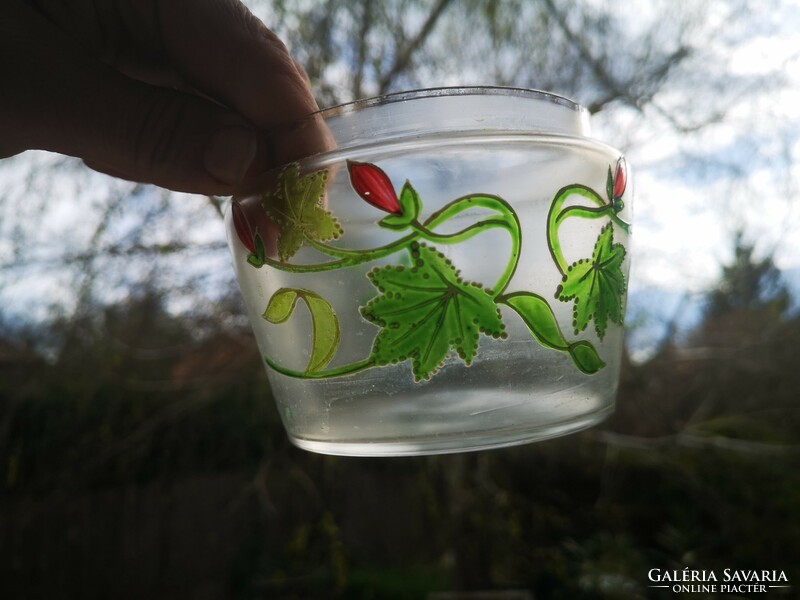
x=224 y=51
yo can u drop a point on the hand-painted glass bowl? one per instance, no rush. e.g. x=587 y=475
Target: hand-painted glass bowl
x=448 y=272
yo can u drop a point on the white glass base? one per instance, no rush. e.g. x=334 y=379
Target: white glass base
x=449 y=444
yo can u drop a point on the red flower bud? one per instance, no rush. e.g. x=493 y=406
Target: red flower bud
x=620 y=178
x=374 y=186
x=242 y=227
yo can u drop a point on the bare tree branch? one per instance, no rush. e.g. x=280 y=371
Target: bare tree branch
x=616 y=90
x=403 y=58
x=361 y=60
x=693 y=441
x=83 y=259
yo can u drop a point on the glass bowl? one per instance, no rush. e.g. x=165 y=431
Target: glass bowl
x=446 y=272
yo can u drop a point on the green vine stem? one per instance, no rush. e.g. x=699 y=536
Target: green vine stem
x=347 y=258
x=507 y=220
x=557 y=215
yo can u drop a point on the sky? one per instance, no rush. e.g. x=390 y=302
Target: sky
x=695 y=190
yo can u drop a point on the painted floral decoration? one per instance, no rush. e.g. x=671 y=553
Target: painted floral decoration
x=423 y=309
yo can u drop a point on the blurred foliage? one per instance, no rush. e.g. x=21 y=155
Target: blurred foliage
x=147 y=460
x=749 y=284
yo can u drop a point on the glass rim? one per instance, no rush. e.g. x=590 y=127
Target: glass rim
x=339 y=114
x=446 y=91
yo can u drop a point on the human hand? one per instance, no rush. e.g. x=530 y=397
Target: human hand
x=178 y=93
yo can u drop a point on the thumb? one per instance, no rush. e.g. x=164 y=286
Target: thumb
x=62 y=100
x=169 y=138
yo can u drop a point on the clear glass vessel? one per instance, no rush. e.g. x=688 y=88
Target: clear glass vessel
x=446 y=272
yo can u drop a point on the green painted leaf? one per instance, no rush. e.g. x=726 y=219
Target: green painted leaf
x=261 y=252
x=324 y=323
x=539 y=318
x=541 y=321
x=255 y=261
x=395 y=222
x=257 y=258
x=597 y=285
x=410 y=202
x=411 y=206
x=585 y=357
x=425 y=310
x=281 y=305
x=326 y=332
x=296 y=208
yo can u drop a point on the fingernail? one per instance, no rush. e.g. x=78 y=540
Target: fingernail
x=230 y=153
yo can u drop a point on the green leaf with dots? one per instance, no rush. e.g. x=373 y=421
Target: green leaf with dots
x=297 y=208
x=597 y=285
x=425 y=310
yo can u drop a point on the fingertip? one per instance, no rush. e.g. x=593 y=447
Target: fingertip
x=307 y=137
x=229 y=154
